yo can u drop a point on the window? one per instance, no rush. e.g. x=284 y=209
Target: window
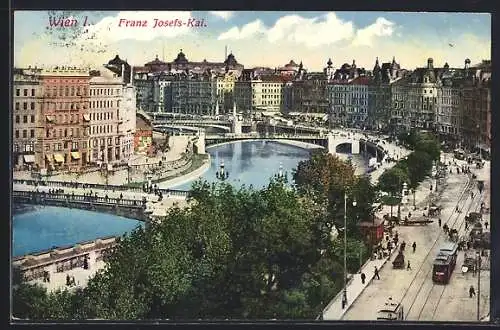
x=74 y=145
x=17 y=105
x=33 y=92
x=66 y=91
x=17 y=134
x=65 y=132
x=18 y=92
x=72 y=91
x=25 y=105
x=25 y=119
x=32 y=106
x=32 y=118
x=25 y=92
x=25 y=134
x=17 y=119
x=32 y=133
x=47 y=133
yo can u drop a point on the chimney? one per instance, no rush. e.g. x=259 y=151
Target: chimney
x=131 y=75
x=123 y=72
x=429 y=63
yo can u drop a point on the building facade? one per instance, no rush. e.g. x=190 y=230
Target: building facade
x=105 y=98
x=194 y=94
x=27 y=119
x=127 y=121
x=65 y=109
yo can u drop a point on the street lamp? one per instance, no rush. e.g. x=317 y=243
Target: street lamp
x=344 y=299
x=222 y=174
x=414 y=204
x=478 y=260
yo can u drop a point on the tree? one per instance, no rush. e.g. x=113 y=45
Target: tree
x=392 y=180
x=419 y=166
x=326 y=178
x=430 y=146
x=239 y=253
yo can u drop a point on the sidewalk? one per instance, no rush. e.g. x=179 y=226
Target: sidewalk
x=334 y=309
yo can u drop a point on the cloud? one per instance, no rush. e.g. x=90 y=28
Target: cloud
x=323 y=30
x=225 y=15
x=366 y=36
x=249 y=30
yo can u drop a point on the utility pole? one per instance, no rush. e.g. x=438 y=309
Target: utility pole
x=478 y=283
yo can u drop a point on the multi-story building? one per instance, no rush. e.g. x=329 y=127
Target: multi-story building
x=243 y=96
x=105 y=98
x=27 y=119
x=449 y=104
x=145 y=84
x=379 y=93
x=127 y=121
x=347 y=93
x=349 y=102
x=194 y=94
x=225 y=92
x=267 y=93
x=65 y=108
x=476 y=106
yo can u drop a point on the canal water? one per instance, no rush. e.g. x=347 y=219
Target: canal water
x=255 y=162
x=44 y=227
x=248 y=162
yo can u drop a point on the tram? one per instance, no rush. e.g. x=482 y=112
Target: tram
x=444 y=263
x=391 y=311
x=451 y=249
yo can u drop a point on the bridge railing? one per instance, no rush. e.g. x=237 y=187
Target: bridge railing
x=78 y=185
x=74 y=198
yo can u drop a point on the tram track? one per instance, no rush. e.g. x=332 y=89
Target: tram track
x=444 y=287
x=426 y=267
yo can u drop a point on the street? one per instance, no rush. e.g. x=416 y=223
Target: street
x=421 y=298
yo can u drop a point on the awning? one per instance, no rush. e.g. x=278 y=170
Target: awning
x=48 y=157
x=75 y=155
x=29 y=158
x=59 y=158
x=86 y=117
x=50 y=118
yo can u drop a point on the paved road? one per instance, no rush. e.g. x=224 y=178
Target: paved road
x=421 y=299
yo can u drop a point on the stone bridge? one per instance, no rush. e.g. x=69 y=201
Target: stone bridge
x=122 y=207
x=331 y=141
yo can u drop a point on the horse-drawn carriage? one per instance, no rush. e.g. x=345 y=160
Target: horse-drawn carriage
x=474 y=217
x=453 y=235
x=435 y=210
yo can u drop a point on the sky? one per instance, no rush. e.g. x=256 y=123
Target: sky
x=255 y=38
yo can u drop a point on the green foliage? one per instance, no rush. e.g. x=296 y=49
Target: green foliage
x=392 y=180
x=237 y=253
x=419 y=166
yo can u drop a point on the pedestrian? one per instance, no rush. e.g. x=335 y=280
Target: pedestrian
x=472 y=194
x=414 y=246
x=68 y=280
x=363 y=278
x=376 y=273
x=486 y=224
x=439 y=222
x=472 y=292
x=121 y=196
x=466 y=224
x=456 y=208
x=409 y=215
x=409 y=266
